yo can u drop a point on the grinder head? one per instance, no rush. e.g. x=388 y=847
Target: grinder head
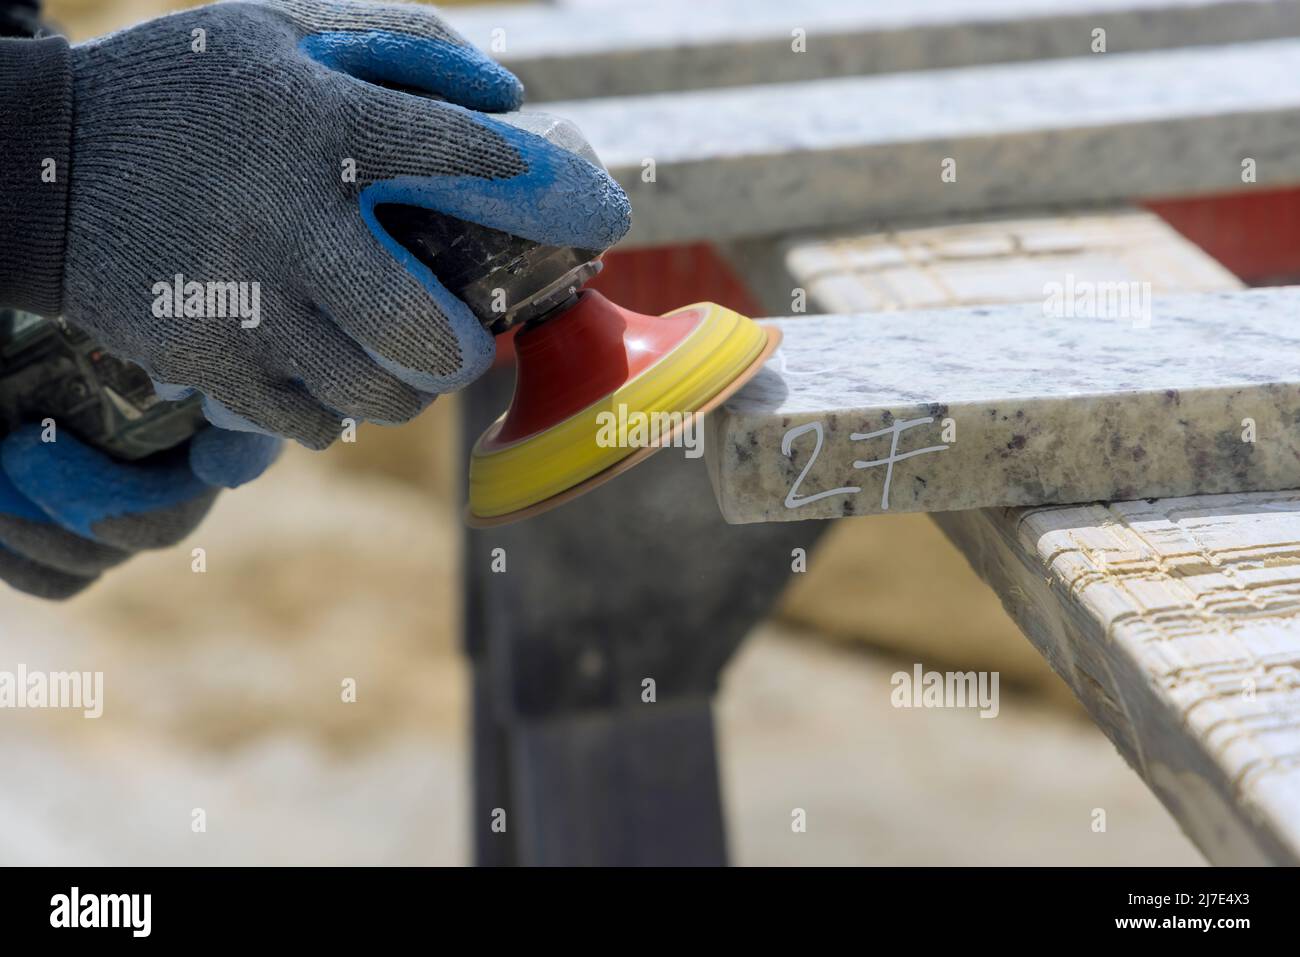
x=599 y=388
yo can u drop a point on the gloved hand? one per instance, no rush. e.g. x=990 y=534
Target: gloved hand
x=68 y=511
x=235 y=165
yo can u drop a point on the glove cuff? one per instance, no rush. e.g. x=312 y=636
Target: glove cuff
x=36 y=130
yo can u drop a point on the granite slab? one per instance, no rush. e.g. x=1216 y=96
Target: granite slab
x=1010 y=405
x=773 y=159
x=1177 y=624
x=671 y=45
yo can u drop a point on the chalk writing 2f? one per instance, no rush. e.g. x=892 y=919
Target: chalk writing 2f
x=897 y=428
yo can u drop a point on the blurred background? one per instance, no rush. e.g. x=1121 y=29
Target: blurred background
x=223 y=689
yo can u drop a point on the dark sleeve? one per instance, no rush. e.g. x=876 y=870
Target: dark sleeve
x=35 y=142
x=19 y=18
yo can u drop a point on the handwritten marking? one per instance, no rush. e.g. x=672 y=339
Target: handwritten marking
x=895 y=430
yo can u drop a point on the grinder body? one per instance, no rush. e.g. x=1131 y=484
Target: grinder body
x=48 y=369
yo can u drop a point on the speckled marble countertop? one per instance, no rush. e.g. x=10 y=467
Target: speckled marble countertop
x=1181 y=396
x=772 y=159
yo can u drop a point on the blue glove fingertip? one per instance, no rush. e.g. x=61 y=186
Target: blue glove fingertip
x=560 y=199
x=459 y=72
x=229 y=459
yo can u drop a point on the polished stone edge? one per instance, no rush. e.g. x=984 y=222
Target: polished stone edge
x=850 y=439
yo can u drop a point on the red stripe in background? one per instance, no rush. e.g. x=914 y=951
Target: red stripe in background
x=658 y=280
x=1254 y=234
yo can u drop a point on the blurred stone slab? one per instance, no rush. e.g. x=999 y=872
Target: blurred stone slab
x=975 y=262
x=773 y=159
x=615 y=49
x=967 y=408
x=1177 y=623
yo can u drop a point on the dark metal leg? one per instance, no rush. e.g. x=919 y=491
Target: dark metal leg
x=491 y=777
x=639 y=580
x=629 y=787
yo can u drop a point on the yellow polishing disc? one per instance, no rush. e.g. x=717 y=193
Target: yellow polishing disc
x=646 y=411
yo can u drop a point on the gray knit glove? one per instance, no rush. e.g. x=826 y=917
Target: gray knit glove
x=225 y=169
